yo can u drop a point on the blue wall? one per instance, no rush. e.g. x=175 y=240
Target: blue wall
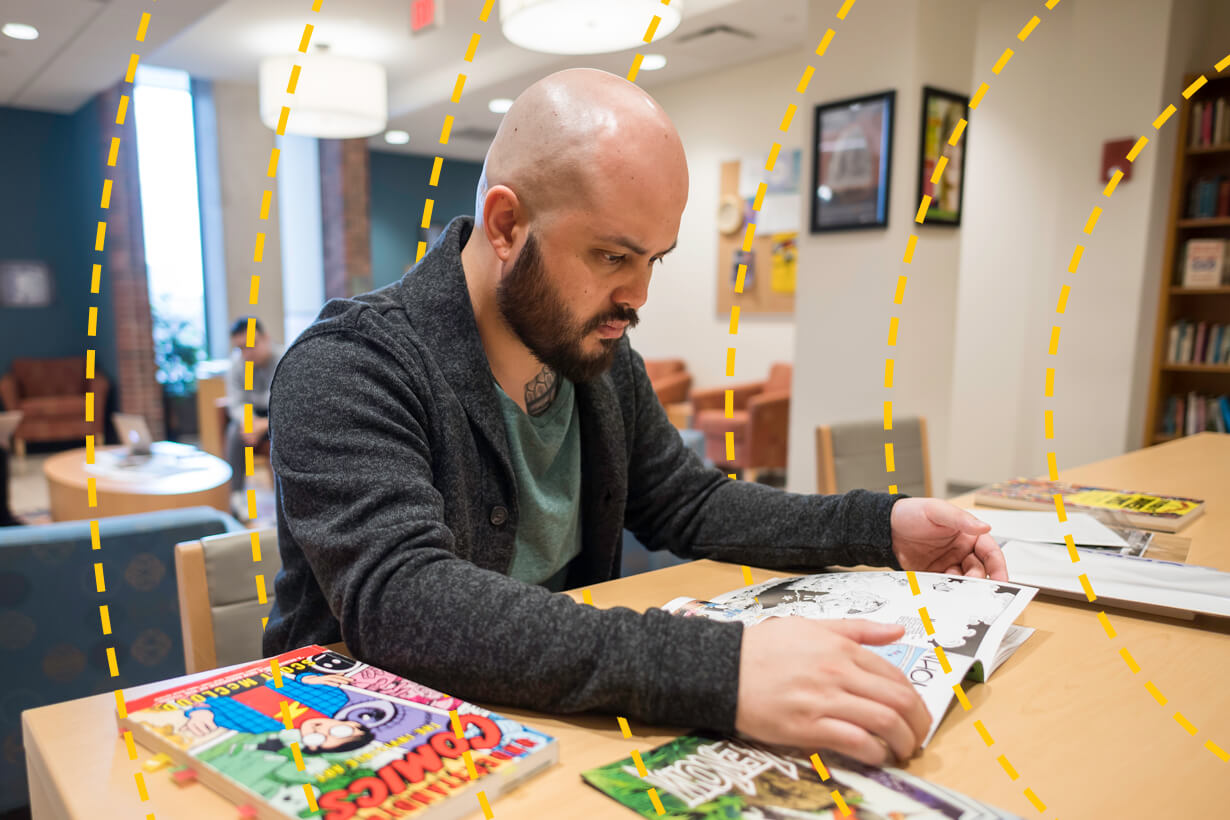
x=399 y=187
x=50 y=185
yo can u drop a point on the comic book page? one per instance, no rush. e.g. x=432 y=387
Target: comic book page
x=352 y=734
x=970 y=618
x=705 y=777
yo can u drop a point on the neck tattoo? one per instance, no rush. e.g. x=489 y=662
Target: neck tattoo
x=540 y=391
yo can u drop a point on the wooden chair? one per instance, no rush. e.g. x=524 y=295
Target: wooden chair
x=851 y=457
x=220 y=609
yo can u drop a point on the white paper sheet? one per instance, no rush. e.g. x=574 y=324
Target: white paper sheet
x=1131 y=582
x=1044 y=527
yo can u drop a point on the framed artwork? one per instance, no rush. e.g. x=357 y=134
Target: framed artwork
x=25 y=284
x=941 y=112
x=852 y=163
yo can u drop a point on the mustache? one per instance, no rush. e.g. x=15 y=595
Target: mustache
x=622 y=314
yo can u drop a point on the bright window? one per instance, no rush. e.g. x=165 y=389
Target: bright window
x=170 y=209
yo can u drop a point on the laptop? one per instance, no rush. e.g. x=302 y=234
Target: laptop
x=133 y=432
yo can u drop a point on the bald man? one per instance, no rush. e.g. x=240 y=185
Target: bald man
x=453 y=449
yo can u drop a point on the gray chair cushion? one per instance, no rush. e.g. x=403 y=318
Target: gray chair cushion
x=858 y=456
x=230 y=576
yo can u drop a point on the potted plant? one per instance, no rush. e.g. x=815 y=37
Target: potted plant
x=177 y=349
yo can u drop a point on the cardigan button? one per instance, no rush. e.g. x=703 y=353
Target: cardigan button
x=498 y=515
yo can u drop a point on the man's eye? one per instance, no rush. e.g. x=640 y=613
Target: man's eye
x=613 y=258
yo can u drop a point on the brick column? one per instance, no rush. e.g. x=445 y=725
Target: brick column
x=124 y=267
x=346 y=232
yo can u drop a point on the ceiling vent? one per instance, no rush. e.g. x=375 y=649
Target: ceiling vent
x=721 y=30
x=473 y=133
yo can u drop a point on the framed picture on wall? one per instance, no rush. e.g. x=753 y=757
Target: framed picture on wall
x=942 y=111
x=852 y=163
x=25 y=284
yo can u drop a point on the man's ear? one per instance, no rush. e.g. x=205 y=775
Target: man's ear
x=503 y=220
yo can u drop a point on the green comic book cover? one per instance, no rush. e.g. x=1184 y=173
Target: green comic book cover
x=708 y=777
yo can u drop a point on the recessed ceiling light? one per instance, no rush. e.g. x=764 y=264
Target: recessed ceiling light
x=396 y=137
x=652 y=62
x=20 y=31
x=499 y=105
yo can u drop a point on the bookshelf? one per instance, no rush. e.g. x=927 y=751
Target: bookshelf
x=1208 y=376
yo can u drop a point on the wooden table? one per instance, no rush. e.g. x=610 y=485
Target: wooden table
x=206 y=483
x=1065 y=711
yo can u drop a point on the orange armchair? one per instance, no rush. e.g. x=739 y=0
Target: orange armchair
x=50 y=393
x=670 y=379
x=760 y=422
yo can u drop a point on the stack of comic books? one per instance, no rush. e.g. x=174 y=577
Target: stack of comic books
x=970 y=618
x=327 y=736
x=1150 y=511
x=706 y=777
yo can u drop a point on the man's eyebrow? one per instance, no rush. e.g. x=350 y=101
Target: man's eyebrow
x=632 y=246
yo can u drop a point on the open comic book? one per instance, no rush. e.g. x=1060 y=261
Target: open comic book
x=706 y=777
x=365 y=742
x=971 y=618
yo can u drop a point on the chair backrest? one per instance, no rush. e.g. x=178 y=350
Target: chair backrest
x=779 y=378
x=657 y=368
x=851 y=456
x=221 y=598
x=49 y=377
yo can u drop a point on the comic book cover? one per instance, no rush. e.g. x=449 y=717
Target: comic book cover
x=1115 y=507
x=364 y=742
x=971 y=619
x=702 y=776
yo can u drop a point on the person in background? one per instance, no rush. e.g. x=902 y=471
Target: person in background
x=264 y=356
x=7 y=519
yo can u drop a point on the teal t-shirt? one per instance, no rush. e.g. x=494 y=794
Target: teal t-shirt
x=546 y=458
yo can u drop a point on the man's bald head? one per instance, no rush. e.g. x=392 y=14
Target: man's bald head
x=580 y=134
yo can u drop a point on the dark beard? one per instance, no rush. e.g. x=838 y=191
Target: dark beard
x=532 y=307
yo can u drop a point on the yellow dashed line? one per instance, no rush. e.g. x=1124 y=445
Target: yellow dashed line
x=888 y=373
x=623 y=727
x=1002 y=61
x=734 y=320
x=1185 y=723
x=983 y=88
x=1129 y=660
x=1137 y=148
x=922 y=208
x=1075 y=261
x=1102 y=619
x=1028 y=29
x=983 y=733
x=820 y=769
x=1157 y=695
x=1053 y=348
x=892 y=331
x=640 y=764
x=845 y=9
x=1196 y=85
x=1113 y=183
x=1062 y=305
x=960 y=693
x=311 y=797
x=1007 y=767
x=657 y=802
x=909 y=249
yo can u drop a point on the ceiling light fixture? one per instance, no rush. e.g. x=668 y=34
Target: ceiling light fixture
x=20 y=31
x=499 y=105
x=653 y=62
x=335 y=98
x=585 y=26
x=396 y=137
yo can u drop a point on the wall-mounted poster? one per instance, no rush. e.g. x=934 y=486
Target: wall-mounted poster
x=852 y=164
x=942 y=111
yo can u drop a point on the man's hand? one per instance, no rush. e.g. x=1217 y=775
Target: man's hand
x=810 y=684
x=260 y=426
x=930 y=535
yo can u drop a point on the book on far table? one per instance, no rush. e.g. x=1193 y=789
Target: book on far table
x=1150 y=511
x=969 y=634
x=359 y=740
x=706 y=777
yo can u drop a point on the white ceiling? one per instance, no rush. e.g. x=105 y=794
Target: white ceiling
x=84 y=46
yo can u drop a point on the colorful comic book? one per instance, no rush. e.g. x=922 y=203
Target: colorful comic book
x=969 y=619
x=360 y=741
x=1168 y=513
x=706 y=777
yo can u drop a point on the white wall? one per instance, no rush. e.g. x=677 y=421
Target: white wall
x=298 y=191
x=847 y=280
x=719 y=117
x=1093 y=71
x=243 y=157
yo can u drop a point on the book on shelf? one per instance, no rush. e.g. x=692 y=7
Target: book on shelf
x=704 y=776
x=1198 y=343
x=1205 y=199
x=1210 y=123
x=972 y=619
x=1205 y=263
x=1168 y=513
x=1196 y=413
x=343 y=730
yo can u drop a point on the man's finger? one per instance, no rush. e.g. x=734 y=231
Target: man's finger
x=890 y=687
x=863 y=631
x=992 y=557
x=878 y=719
x=972 y=567
x=948 y=515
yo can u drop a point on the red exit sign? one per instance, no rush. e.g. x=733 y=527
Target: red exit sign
x=425 y=14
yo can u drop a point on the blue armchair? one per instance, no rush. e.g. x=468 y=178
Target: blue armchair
x=50 y=623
